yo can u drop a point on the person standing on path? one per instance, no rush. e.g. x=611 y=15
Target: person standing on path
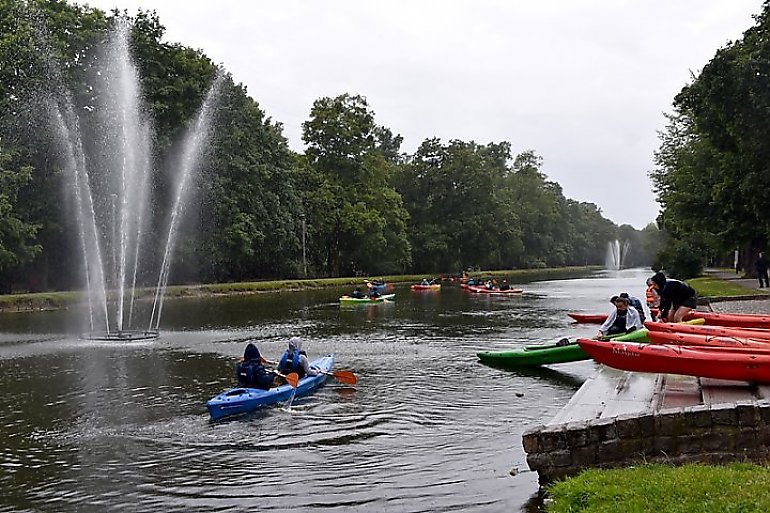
x=761 y=267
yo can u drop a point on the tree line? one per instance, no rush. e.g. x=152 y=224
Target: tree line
x=713 y=164
x=352 y=203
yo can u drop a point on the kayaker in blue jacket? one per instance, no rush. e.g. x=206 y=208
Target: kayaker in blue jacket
x=621 y=320
x=677 y=298
x=294 y=359
x=251 y=371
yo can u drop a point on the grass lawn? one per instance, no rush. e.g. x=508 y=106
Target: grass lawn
x=709 y=286
x=737 y=487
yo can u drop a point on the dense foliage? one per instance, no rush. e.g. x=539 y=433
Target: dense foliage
x=713 y=164
x=352 y=203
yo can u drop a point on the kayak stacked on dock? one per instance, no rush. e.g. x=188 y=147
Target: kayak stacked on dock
x=243 y=400
x=728 y=346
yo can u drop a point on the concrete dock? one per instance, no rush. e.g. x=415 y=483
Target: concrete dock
x=619 y=418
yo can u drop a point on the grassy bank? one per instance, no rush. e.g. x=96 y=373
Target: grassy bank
x=55 y=300
x=660 y=488
x=711 y=286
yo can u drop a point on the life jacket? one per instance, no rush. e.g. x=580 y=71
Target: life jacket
x=290 y=363
x=650 y=295
x=253 y=374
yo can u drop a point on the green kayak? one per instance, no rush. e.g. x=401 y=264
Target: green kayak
x=561 y=352
x=347 y=300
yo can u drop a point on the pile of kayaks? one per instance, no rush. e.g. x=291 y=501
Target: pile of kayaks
x=727 y=346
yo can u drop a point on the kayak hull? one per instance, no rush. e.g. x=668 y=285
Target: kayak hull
x=435 y=286
x=243 y=400
x=536 y=355
x=693 y=339
x=731 y=319
x=708 y=362
x=484 y=290
x=347 y=300
x=533 y=356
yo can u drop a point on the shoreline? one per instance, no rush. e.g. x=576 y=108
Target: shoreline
x=49 y=301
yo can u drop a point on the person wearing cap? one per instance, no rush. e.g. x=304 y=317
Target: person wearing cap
x=677 y=298
x=621 y=320
x=294 y=359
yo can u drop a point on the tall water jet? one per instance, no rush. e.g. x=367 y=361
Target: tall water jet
x=616 y=254
x=110 y=187
x=195 y=142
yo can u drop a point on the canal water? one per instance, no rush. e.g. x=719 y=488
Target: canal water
x=109 y=426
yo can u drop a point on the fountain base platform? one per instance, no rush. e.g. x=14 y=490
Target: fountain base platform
x=123 y=335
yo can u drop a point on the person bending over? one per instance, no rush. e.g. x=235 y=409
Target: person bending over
x=677 y=298
x=621 y=320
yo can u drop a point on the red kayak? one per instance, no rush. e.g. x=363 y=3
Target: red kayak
x=435 y=286
x=732 y=319
x=717 y=331
x=691 y=339
x=718 y=363
x=588 y=318
x=484 y=290
x=596 y=318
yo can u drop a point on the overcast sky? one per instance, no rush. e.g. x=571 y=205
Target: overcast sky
x=582 y=83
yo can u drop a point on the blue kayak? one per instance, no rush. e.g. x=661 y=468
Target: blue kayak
x=242 y=400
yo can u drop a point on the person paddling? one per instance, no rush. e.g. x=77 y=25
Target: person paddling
x=251 y=372
x=294 y=359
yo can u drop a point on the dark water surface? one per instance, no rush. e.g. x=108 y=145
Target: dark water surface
x=107 y=426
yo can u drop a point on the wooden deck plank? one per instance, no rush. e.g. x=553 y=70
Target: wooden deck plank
x=589 y=401
x=720 y=391
x=679 y=391
x=634 y=392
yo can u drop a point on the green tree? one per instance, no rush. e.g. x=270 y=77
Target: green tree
x=350 y=159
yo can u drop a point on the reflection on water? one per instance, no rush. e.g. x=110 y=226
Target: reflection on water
x=96 y=426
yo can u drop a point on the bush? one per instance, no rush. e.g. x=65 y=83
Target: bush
x=681 y=259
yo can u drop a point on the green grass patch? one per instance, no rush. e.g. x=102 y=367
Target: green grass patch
x=734 y=488
x=709 y=286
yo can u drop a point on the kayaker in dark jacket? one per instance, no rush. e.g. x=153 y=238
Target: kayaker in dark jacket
x=294 y=359
x=677 y=298
x=251 y=371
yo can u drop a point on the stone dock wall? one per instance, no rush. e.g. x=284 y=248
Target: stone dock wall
x=704 y=433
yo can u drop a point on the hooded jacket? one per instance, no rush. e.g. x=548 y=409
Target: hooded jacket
x=294 y=359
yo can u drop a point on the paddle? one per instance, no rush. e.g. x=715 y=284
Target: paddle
x=291 y=378
x=343 y=376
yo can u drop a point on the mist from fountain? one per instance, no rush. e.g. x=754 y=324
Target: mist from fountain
x=616 y=254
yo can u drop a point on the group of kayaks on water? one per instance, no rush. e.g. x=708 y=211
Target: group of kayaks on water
x=376 y=289
x=677 y=339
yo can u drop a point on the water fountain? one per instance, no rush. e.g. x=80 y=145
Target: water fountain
x=110 y=191
x=616 y=254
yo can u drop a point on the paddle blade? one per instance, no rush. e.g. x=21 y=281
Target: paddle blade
x=345 y=377
x=292 y=379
